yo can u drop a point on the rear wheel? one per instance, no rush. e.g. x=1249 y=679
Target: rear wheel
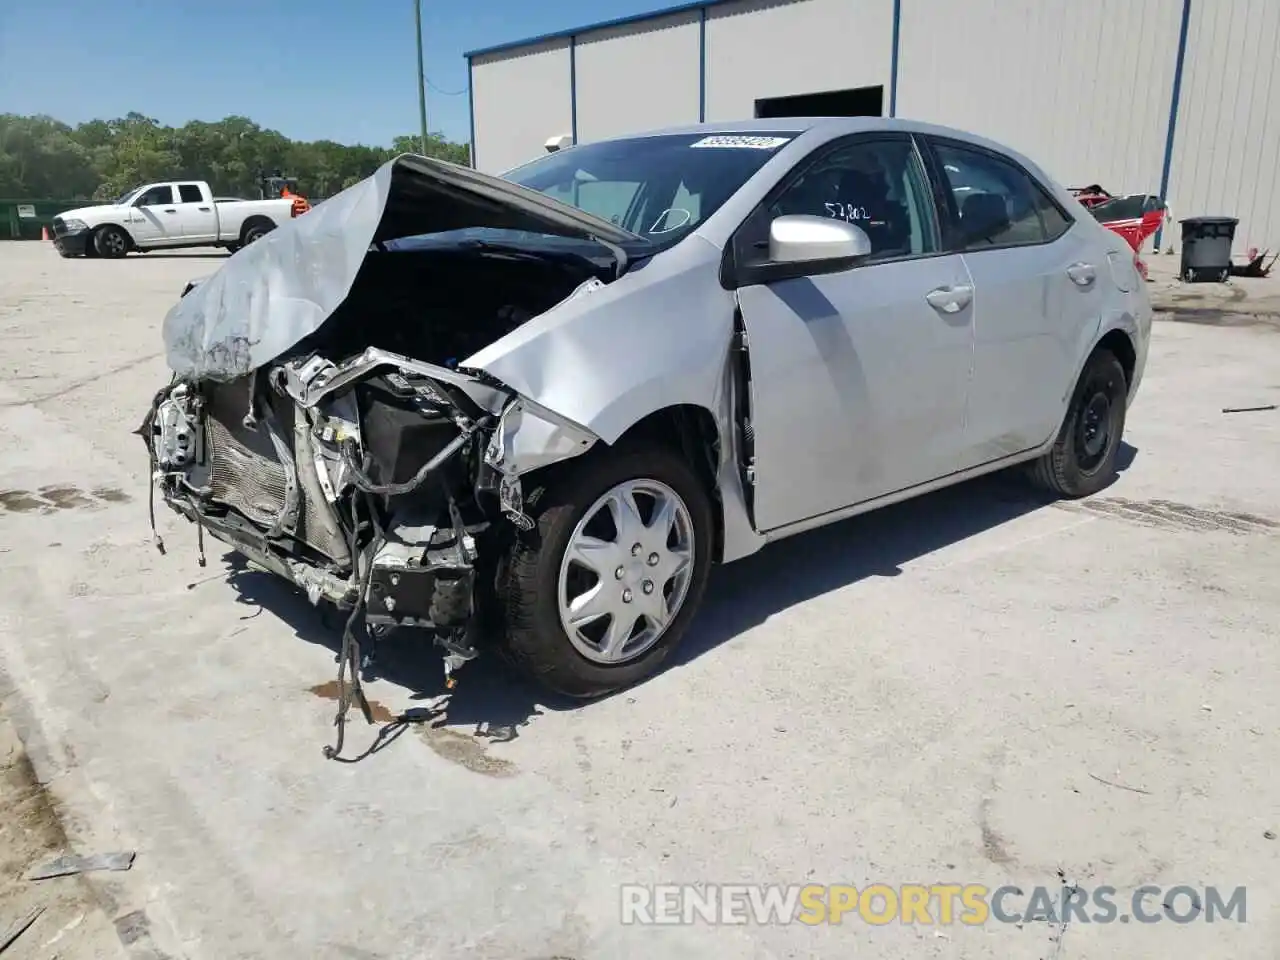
x=111 y=242
x=256 y=231
x=1083 y=459
x=601 y=591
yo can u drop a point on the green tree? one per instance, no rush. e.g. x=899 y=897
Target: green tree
x=101 y=159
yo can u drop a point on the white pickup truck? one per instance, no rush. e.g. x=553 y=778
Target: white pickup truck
x=183 y=213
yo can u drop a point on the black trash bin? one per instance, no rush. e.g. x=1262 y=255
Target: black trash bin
x=1206 y=248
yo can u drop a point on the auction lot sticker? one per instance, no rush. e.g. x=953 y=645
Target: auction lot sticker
x=742 y=142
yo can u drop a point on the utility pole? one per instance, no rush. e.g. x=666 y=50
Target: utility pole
x=422 y=81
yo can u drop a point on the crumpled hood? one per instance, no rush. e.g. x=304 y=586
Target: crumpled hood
x=281 y=289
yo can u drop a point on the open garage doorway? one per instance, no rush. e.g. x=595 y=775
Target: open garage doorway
x=858 y=102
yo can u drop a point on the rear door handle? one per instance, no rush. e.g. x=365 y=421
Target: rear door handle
x=1081 y=274
x=205 y=209
x=950 y=299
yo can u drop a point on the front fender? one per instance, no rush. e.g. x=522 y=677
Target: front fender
x=654 y=338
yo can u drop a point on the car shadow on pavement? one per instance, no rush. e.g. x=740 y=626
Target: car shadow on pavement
x=490 y=697
x=496 y=702
x=875 y=544
x=152 y=255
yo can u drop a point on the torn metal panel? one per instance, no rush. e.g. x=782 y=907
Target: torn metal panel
x=71 y=864
x=277 y=291
x=528 y=438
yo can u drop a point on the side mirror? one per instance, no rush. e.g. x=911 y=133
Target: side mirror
x=806 y=239
x=799 y=246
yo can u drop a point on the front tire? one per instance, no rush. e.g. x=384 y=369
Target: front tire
x=601 y=590
x=1083 y=459
x=111 y=242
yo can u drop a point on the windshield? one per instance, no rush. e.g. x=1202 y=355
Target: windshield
x=124 y=198
x=660 y=187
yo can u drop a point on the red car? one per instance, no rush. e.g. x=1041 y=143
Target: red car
x=1135 y=217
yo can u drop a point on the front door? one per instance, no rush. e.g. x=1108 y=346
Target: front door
x=1038 y=297
x=153 y=218
x=858 y=378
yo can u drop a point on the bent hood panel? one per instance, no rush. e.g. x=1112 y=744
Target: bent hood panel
x=281 y=289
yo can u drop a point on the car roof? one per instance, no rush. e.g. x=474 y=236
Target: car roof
x=797 y=125
x=829 y=127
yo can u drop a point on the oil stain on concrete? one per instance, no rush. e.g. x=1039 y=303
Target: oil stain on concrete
x=466 y=751
x=55 y=497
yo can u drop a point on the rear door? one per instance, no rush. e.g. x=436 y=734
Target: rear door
x=1037 y=276
x=196 y=214
x=858 y=378
x=153 y=218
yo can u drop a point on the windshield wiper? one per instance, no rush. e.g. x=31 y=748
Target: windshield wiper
x=555 y=256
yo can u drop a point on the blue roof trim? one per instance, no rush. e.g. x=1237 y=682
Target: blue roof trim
x=601 y=25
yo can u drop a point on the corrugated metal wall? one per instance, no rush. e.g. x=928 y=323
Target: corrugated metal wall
x=520 y=98
x=1081 y=86
x=776 y=48
x=1226 y=154
x=637 y=77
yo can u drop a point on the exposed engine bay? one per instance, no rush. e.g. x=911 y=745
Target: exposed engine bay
x=364 y=466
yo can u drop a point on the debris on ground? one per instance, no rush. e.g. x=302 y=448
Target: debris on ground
x=19 y=928
x=1120 y=786
x=1255 y=267
x=69 y=865
x=1265 y=406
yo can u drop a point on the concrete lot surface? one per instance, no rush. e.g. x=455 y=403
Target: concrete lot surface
x=975 y=687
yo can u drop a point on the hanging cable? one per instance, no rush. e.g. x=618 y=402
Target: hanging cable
x=447 y=93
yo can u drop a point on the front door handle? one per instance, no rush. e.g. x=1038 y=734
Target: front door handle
x=1081 y=274
x=950 y=299
x=170 y=210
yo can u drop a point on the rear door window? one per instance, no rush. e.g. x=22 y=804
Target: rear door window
x=993 y=202
x=190 y=193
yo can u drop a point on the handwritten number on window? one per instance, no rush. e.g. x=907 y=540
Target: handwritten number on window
x=847 y=212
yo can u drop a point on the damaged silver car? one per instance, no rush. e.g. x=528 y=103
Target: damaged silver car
x=532 y=411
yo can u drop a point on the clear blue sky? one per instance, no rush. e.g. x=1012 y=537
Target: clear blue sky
x=343 y=70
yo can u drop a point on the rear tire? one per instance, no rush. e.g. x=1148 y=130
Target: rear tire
x=1082 y=460
x=111 y=242
x=541 y=582
x=255 y=231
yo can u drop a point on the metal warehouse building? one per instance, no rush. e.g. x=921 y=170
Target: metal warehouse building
x=1175 y=97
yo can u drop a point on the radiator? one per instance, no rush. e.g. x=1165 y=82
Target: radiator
x=246 y=474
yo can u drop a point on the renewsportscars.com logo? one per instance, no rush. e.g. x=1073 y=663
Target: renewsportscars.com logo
x=928 y=904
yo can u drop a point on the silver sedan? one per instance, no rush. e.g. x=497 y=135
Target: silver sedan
x=531 y=411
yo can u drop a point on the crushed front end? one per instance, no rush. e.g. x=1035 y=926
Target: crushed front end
x=381 y=485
